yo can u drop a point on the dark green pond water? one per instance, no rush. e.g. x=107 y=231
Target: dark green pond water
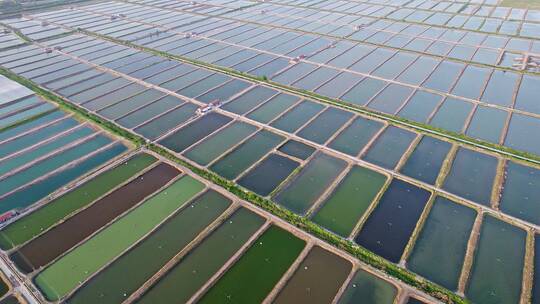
x=259 y=269
x=348 y=202
x=307 y=186
x=178 y=285
x=112 y=285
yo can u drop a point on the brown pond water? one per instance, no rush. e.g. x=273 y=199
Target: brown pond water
x=317 y=279
x=42 y=250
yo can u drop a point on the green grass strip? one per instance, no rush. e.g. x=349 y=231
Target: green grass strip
x=34 y=224
x=68 y=272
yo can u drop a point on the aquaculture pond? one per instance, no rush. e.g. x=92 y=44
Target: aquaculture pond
x=212 y=147
x=273 y=108
x=307 y=186
x=356 y=136
x=42 y=250
x=149 y=111
x=389 y=227
x=519 y=133
x=487 y=124
x=348 y=202
x=535 y=299
x=194 y=131
x=21 y=129
x=439 y=251
x=296 y=117
x=61 y=277
x=415 y=301
x=130 y=104
x=268 y=174
x=4 y=287
x=80 y=242
x=325 y=125
x=11 y=299
x=520 y=192
x=249 y=100
x=19 y=178
x=166 y=122
x=56 y=210
x=368 y=288
x=246 y=154
x=497 y=269
x=43 y=153
x=258 y=270
x=39 y=189
x=389 y=147
x=317 y=279
x=112 y=286
x=19 y=116
x=472 y=175
x=297 y=149
x=31 y=152
x=43 y=133
x=203 y=261
x=426 y=160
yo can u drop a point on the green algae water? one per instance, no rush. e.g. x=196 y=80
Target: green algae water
x=348 y=202
x=310 y=183
x=33 y=224
x=48 y=246
x=190 y=274
x=64 y=274
x=112 y=285
x=254 y=275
